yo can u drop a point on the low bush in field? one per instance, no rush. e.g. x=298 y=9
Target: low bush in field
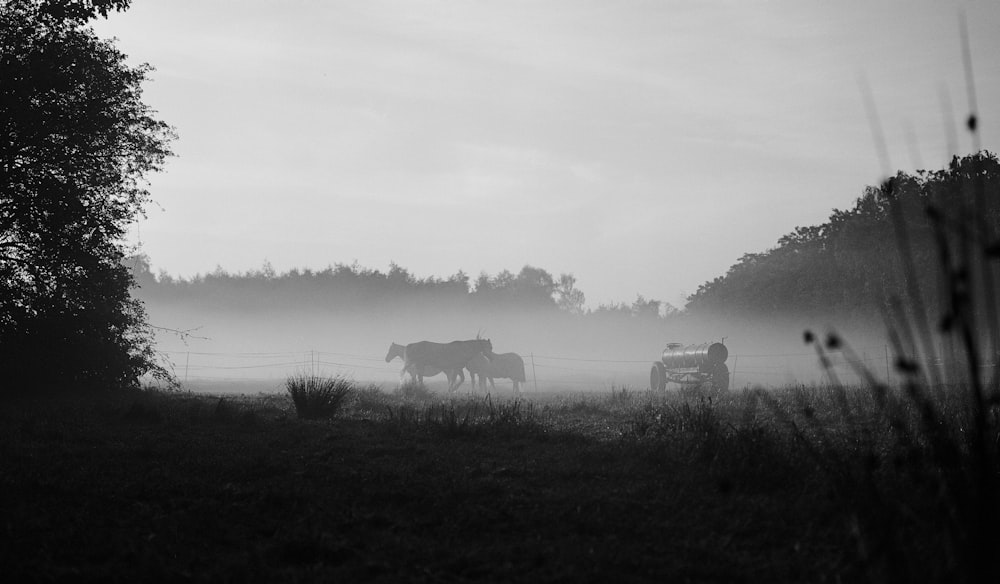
x=319 y=397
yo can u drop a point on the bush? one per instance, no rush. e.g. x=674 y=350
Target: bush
x=319 y=397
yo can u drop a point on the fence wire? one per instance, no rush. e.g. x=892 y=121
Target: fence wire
x=543 y=370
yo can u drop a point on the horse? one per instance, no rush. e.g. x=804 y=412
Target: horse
x=478 y=365
x=497 y=366
x=397 y=350
x=446 y=357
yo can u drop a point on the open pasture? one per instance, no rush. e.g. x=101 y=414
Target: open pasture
x=792 y=484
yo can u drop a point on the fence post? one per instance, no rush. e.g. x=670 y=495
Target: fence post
x=534 y=377
x=187 y=359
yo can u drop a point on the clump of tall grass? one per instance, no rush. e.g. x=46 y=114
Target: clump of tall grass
x=317 y=397
x=912 y=468
x=920 y=477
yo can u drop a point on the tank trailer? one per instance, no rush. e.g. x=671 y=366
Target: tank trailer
x=692 y=365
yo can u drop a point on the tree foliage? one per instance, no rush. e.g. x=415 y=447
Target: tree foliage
x=570 y=298
x=76 y=11
x=850 y=265
x=77 y=143
x=353 y=288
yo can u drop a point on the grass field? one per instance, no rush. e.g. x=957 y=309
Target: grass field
x=790 y=485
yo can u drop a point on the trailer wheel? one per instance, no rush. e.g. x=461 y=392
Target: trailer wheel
x=720 y=378
x=658 y=377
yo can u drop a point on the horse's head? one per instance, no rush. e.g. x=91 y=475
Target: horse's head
x=484 y=346
x=395 y=350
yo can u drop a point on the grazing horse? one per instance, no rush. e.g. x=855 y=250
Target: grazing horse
x=479 y=366
x=493 y=366
x=451 y=356
x=397 y=350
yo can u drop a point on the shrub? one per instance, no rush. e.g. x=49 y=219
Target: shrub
x=318 y=397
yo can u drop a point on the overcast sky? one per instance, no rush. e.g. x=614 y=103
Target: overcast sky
x=643 y=146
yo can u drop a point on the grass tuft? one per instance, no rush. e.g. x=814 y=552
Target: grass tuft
x=319 y=397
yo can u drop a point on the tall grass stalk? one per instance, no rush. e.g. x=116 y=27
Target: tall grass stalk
x=922 y=499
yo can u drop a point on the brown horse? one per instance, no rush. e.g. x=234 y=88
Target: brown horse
x=446 y=357
x=490 y=366
x=397 y=350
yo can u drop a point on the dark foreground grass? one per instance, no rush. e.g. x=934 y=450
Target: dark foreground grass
x=631 y=487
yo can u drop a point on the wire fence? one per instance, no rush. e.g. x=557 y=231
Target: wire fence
x=543 y=370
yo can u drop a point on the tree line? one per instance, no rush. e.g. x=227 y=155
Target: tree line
x=889 y=248
x=849 y=267
x=351 y=287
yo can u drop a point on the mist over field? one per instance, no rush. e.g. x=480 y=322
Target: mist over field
x=731 y=341
x=845 y=276
x=569 y=352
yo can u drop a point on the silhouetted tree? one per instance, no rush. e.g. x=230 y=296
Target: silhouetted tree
x=75 y=11
x=851 y=264
x=76 y=145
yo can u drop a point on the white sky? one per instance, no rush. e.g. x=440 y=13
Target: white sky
x=643 y=146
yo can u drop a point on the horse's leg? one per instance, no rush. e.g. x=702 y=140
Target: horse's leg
x=517 y=388
x=453 y=374
x=461 y=378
